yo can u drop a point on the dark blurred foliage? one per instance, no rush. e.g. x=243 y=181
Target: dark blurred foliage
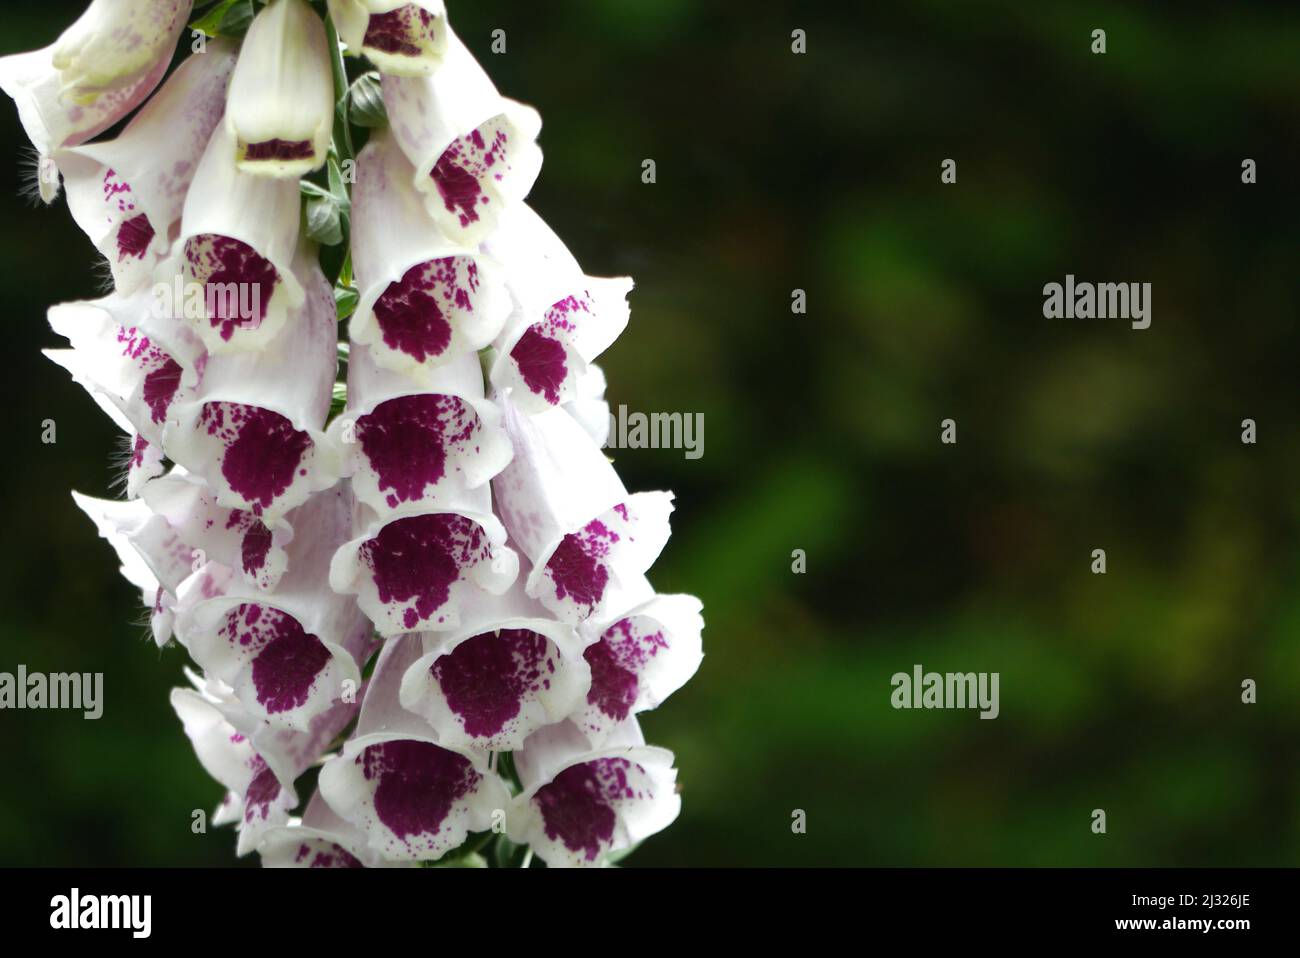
x=821 y=172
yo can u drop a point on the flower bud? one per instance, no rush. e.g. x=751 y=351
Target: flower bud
x=281 y=108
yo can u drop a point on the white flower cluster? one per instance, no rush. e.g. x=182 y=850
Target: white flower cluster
x=404 y=577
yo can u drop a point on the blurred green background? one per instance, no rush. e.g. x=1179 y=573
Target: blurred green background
x=821 y=172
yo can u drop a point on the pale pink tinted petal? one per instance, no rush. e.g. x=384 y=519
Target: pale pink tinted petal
x=58 y=102
x=125 y=353
x=566 y=508
x=293 y=654
x=320 y=840
x=234 y=537
x=562 y=320
x=127 y=193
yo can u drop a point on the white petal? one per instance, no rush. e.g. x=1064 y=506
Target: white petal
x=281 y=110
x=494 y=681
x=320 y=840
x=127 y=193
x=145 y=462
x=142 y=546
x=425 y=570
x=424 y=299
x=136 y=534
x=404 y=445
x=589 y=406
x=233 y=537
x=238 y=244
x=563 y=319
x=99 y=70
x=225 y=753
x=262 y=800
x=125 y=352
x=414 y=799
x=253 y=432
x=566 y=509
x=401 y=38
x=287 y=752
x=473 y=150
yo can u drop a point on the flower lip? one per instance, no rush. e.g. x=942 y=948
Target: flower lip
x=638 y=660
x=258 y=798
x=404 y=444
x=254 y=434
x=321 y=839
x=419 y=569
x=569 y=513
x=579 y=804
x=283 y=673
x=126 y=356
x=496 y=680
x=287 y=654
x=563 y=319
x=234 y=537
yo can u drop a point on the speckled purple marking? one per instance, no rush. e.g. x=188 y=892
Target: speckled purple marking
x=406 y=31
x=277 y=149
x=138 y=448
x=467 y=164
x=262 y=791
x=409 y=317
x=577 y=568
x=134 y=237
x=407 y=441
x=134 y=231
x=287 y=660
x=254 y=547
x=162 y=374
x=419 y=558
x=417 y=784
x=541 y=363
x=318 y=853
x=617 y=661
x=577 y=805
x=486 y=678
x=263 y=451
x=238 y=282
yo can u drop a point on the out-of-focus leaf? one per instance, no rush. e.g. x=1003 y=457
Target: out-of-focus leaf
x=228 y=18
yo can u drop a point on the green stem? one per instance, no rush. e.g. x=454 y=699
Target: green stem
x=342 y=129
